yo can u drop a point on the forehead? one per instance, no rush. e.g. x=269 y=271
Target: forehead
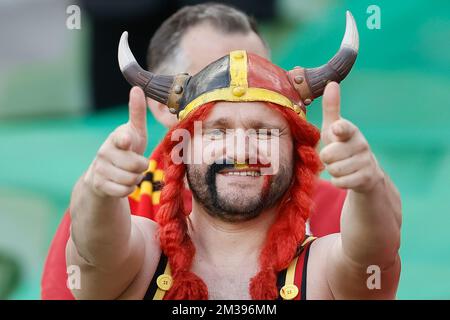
x=247 y=114
x=203 y=44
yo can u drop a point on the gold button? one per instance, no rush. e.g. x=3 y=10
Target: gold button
x=164 y=282
x=289 y=292
x=238 y=55
x=239 y=91
x=297 y=108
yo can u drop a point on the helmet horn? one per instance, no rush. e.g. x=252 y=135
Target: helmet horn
x=162 y=88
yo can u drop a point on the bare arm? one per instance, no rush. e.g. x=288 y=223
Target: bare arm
x=105 y=242
x=371 y=217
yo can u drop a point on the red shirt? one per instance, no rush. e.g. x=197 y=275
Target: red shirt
x=144 y=201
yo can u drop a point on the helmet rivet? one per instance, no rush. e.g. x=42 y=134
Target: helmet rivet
x=173 y=110
x=238 y=55
x=239 y=91
x=307 y=102
x=178 y=89
x=298 y=79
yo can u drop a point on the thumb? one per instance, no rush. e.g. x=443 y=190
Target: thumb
x=137 y=108
x=331 y=105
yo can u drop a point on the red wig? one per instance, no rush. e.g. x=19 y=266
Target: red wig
x=284 y=235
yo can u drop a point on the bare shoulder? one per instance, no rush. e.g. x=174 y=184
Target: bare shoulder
x=317 y=287
x=149 y=230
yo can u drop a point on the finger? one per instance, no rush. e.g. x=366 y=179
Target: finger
x=337 y=151
x=118 y=175
x=343 y=130
x=347 y=166
x=128 y=161
x=116 y=190
x=124 y=159
x=331 y=104
x=138 y=111
x=352 y=181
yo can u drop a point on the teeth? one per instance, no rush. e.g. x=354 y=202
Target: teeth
x=243 y=173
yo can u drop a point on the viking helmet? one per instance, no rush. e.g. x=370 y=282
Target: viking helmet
x=242 y=76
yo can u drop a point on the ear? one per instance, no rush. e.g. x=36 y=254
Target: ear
x=162 y=114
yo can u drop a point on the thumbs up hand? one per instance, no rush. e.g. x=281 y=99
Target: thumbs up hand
x=119 y=163
x=346 y=153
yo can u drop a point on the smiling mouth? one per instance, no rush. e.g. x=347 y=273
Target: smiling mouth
x=251 y=173
x=242 y=171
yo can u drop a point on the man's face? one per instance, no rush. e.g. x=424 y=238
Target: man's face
x=241 y=192
x=201 y=45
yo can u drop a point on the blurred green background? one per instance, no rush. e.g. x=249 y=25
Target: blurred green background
x=398 y=94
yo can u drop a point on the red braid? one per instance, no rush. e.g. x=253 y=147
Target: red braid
x=173 y=232
x=283 y=237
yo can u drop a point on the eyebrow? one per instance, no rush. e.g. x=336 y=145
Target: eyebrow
x=224 y=122
x=220 y=122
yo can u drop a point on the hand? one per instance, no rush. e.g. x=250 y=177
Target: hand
x=346 y=153
x=119 y=163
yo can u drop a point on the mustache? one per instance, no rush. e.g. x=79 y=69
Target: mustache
x=216 y=168
x=222 y=164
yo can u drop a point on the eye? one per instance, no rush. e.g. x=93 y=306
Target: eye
x=215 y=134
x=266 y=134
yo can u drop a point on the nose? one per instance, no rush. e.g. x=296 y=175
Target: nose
x=237 y=146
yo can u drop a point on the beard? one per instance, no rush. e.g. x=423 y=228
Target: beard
x=234 y=204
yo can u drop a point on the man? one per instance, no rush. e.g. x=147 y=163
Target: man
x=245 y=215
x=195 y=36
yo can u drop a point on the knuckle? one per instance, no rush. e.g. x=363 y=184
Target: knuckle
x=365 y=177
x=363 y=145
x=97 y=183
x=98 y=167
x=367 y=159
x=95 y=166
x=102 y=153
